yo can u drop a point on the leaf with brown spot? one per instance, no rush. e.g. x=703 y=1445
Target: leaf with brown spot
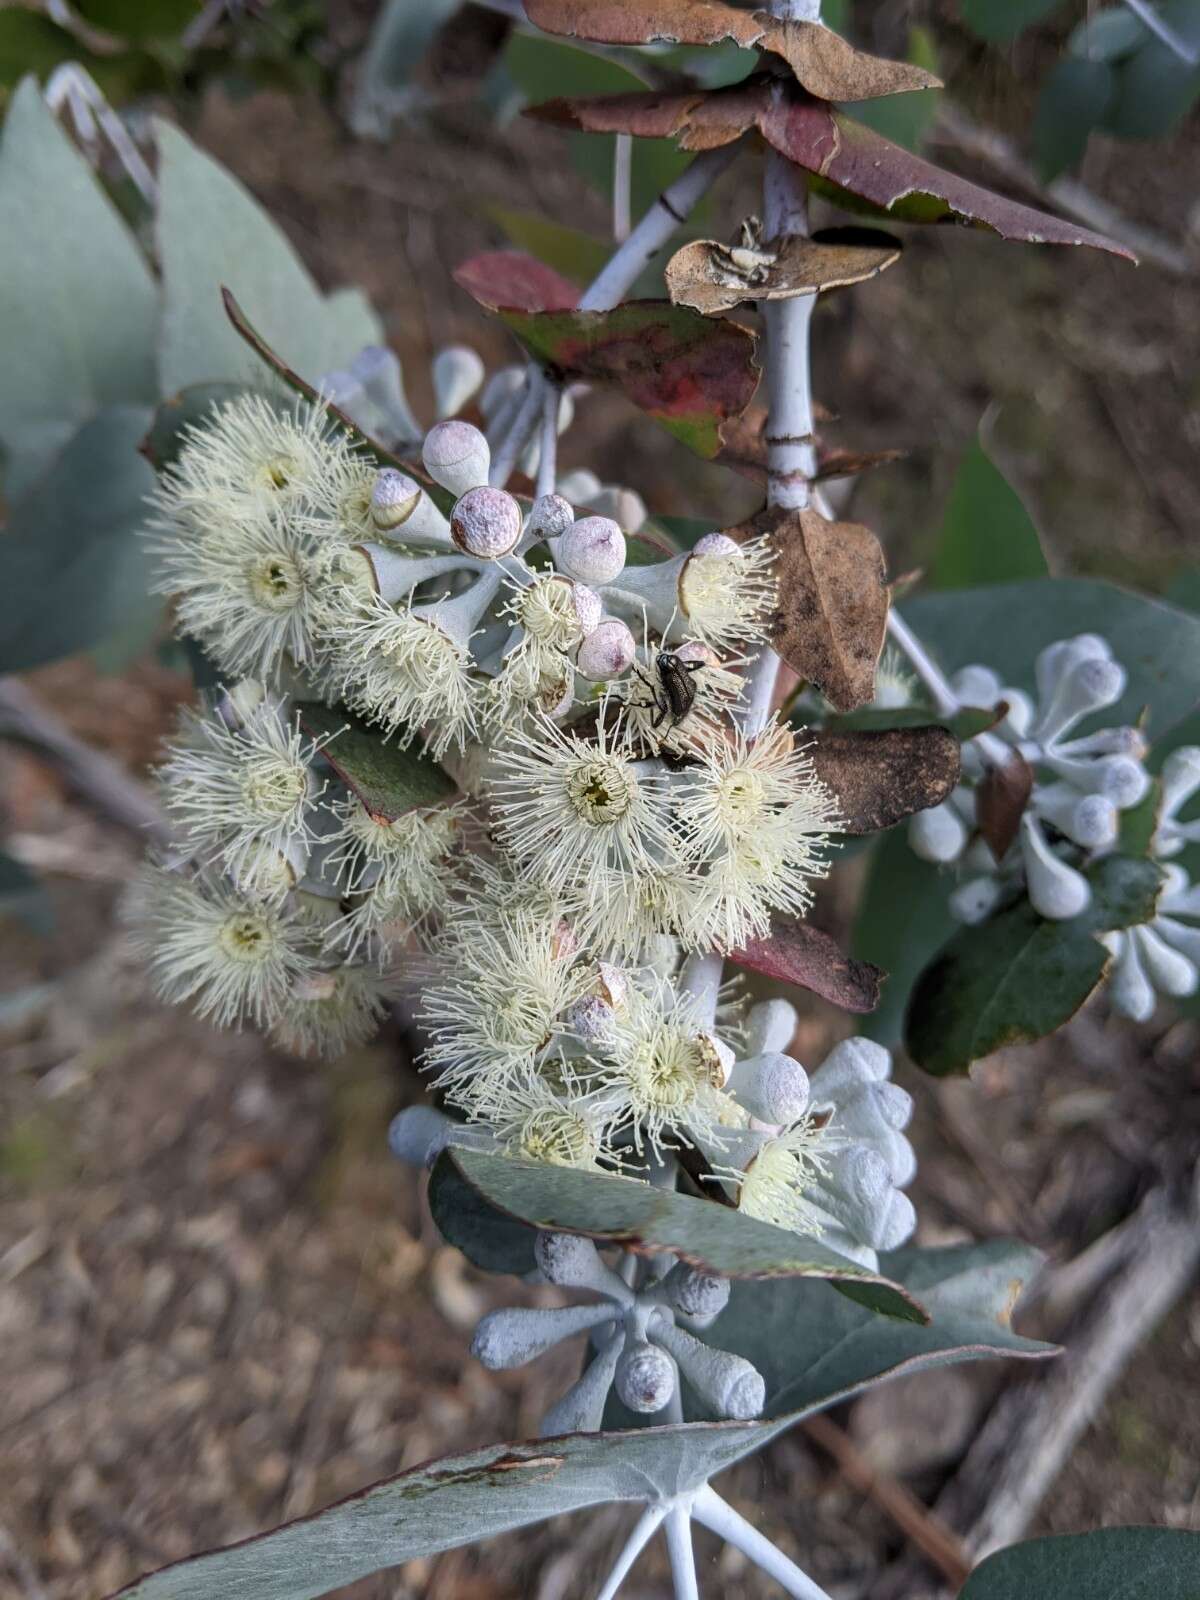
x=832 y=611
x=883 y=776
x=796 y=952
x=704 y=275
x=824 y=63
x=688 y=372
x=851 y=163
x=1000 y=802
x=510 y=278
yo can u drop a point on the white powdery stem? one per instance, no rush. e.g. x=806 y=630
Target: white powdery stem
x=622 y=186
x=516 y=437
x=945 y=701
x=683 y=1557
x=655 y=228
x=1162 y=30
x=547 y=470
x=644 y=1530
x=711 y=1512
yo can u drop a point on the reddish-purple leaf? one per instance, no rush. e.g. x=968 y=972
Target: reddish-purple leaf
x=504 y=279
x=689 y=372
x=883 y=775
x=857 y=166
x=798 y=953
x=826 y=64
x=1000 y=802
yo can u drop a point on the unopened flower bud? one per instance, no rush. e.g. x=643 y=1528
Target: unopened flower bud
x=551 y=516
x=514 y=1335
x=581 y=1409
x=590 y=1019
x=1129 y=989
x=625 y=506
x=457 y=373
x=1090 y=685
x=456 y=455
x=580 y=487
x=1169 y=971
x=973 y=902
x=486 y=523
x=715 y=544
x=976 y=686
x=938 y=834
x=1056 y=891
x=1180 y=777
x=771 y=1025
x=419 y=1134
x=394 y=498
x=645 y=1378
x=592 y=549
x=607 y=652
x=696 y=1293
x=500 y=389
x=730 y=1385
x=772 y=1087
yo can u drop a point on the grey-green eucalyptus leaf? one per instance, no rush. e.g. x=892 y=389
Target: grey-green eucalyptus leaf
x=78 y=304
x=212 y=232
x=650 y=1220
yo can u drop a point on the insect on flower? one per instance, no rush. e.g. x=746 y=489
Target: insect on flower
x=674 y=695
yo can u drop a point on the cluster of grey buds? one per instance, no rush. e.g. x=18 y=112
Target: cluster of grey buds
x=1081 y=786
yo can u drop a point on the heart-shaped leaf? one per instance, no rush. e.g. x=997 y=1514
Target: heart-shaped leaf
x=827 y=65
x=796 y=952
x=705 y=275
x=1018 y=977
x=387 y=779
x=512 y=280
x=688 y=372
x=648 y=1220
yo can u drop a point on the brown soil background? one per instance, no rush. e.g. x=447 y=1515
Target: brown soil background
x=221 y=1303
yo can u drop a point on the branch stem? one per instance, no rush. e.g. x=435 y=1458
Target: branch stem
x=683 y=1557
x=505 y=457
x=547 y=468
x=945 y=701
x=644 y=1530
x=712 y=1512
x=1164 y=32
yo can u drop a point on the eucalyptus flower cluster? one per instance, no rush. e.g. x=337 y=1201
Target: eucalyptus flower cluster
x=283 y=901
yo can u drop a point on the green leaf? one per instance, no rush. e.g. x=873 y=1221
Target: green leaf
x=77 y=301
x=387 y=779
x=1107 y=35
x=75 y=570
x=575 y=254
x=641 y=1217
x=488 y=1238
x=211 y=233
x=987 y=535
x=656 y=165
x=968 y=723
x=31 y=43
x=139 y=19
x=1140 y=823
x=1073 y=103
x=1007 y=624
x=810 y=1345
x=1018 y=977
x=907 y=118
x=542 y=67
x=1001 y=20
x=903 y=921
x=689 y=372
x=1108 y=1564
x=1155 y=89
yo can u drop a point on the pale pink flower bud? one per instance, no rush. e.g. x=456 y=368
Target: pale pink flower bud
x=456 y=455
x=607 y=652
x=486 y=523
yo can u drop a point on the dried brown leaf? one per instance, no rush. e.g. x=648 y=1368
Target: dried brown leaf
x=833 y=601
x=856 y=166
x=882 y=776
x=706 y=275
x=825 y=64
x=796 y=952
x=1000 y=802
